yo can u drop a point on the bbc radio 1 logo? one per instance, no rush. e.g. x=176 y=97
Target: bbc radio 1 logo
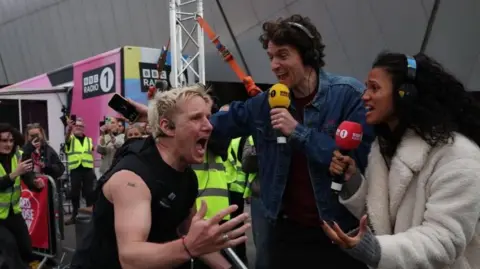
x=99 y=81
x=343 y=133
x=149 y=75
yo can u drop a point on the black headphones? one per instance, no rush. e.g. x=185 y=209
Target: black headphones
x=408 y=91
x=312 y=56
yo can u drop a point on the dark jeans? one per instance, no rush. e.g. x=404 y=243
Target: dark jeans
x=82 y=180
x=296 y=246
x=15 y=225
x=261 y=228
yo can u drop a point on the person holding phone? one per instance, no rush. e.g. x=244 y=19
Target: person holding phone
x=14 y=237
x=44 y=158
x=79 y=149
x=109 y=141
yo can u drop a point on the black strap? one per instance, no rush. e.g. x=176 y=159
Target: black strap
x=241 y=145
x=133 y=147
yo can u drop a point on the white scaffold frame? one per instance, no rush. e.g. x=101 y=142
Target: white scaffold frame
x=179 y=32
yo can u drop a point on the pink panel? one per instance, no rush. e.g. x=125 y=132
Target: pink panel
x=93 y=109
x=40 y=81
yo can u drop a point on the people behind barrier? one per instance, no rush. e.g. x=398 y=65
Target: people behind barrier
x=16 y=246
x=44 y=158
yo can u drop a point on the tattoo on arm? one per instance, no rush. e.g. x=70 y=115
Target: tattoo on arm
x=131 y=184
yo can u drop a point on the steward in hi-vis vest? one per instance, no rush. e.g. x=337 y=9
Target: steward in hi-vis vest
x=212 y=184
x=15 y=241
x=10 y=197
x=79 y=150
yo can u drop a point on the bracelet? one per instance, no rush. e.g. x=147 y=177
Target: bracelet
x=185 y=247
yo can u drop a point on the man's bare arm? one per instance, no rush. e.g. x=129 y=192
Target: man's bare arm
x=131 y=199
x=214 y=260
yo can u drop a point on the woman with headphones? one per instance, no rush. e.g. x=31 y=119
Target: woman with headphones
x=419 y=203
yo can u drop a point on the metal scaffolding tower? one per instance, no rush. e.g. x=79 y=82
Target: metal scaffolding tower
x=180 y=37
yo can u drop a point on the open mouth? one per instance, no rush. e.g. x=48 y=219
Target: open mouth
x=201 y=145
x=282 y=76
x=369 y=108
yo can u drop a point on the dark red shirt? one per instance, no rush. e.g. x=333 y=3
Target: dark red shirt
x=299 y=200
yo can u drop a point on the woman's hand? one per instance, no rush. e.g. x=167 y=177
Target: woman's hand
x=342 y=165
x=36 y=142
x=338 y=237
x=22 y=168
x=103 y=129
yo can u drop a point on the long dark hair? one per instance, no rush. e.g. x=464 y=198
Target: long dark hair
x=17 y=136
x=442 y=105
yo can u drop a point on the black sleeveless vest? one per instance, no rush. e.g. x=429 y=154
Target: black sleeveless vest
x=173 y=195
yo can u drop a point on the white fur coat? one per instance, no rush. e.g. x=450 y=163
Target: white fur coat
x=425 y=210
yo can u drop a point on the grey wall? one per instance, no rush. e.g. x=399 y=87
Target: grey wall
x=42 y=35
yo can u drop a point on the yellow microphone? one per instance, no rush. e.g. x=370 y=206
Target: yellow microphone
x=279 y=96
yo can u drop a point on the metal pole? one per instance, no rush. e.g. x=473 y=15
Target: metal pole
x=179 y=54
x=431 y=22
x=235 y=259
x=173 y=44
x=201 y=45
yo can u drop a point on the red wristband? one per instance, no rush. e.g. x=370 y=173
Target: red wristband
x=185 y=247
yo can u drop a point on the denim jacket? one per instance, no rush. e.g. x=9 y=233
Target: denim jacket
x=338 y=99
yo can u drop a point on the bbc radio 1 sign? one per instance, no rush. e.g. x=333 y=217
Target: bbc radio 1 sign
x=98 y=81
x=149 y=75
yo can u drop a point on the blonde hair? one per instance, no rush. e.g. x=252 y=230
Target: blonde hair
x=32 y=126
x=164 y=105
x=135 y=126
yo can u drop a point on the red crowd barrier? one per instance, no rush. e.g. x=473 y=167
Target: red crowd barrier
x=41 y=213
x=35 y=211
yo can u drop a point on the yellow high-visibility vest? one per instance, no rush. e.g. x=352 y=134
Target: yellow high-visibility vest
x=212 y=185
x=235 y=173
x=10 y=198
x=79 y=154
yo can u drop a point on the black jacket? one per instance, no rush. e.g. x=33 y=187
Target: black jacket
x=53 y=165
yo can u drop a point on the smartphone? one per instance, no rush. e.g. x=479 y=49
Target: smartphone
x=101 y=123
x=73 y=117
x=122 y=106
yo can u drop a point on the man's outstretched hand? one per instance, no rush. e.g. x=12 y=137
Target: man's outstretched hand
x=207 y=235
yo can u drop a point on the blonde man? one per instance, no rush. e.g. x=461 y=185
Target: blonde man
x=147 y=200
